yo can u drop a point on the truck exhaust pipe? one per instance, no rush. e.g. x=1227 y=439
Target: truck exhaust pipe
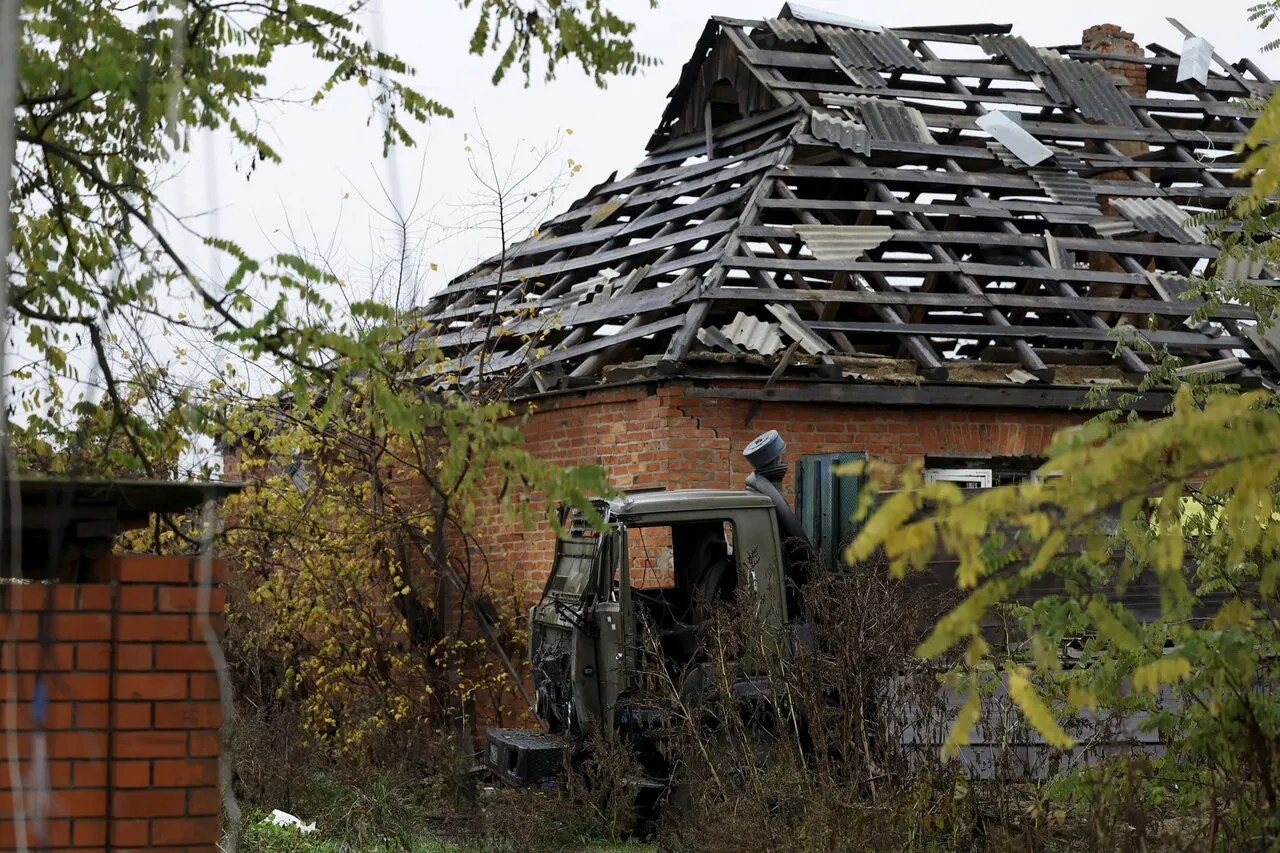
x=769 y=470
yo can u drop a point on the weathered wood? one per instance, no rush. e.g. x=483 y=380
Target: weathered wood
x=1061 y=130
x=965 y=258
x=1036 y=302
x=728 y=177
x=999 y=272
x=960 y=396
x=980 y=331
x=997 y=238
x=921 y=350
x=597 y=260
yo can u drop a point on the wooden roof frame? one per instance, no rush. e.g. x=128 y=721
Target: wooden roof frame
x=856 y=225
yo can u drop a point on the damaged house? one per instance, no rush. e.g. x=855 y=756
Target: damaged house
x=900 y=243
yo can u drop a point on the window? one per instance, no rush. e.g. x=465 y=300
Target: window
x=980 y=471
x=966 y=478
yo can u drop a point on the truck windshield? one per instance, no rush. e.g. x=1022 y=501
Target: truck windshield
x=575 y=555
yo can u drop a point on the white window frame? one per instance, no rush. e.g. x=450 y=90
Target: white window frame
x=974 y=478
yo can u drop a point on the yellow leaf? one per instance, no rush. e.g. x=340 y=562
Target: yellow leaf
x=1081 y=697
x=968 y=717
x=1112 y=628
x=1168 y=670
x=1234 y=614
x=1037 y=713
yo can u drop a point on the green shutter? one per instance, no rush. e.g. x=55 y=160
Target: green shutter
x=826 y=502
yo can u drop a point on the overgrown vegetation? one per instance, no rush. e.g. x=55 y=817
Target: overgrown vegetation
x=368 y=644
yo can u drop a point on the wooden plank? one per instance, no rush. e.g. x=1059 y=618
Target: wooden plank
x=909 y=176
x=640 y=200
x=997 y=238
x=915 y=149
x=997 y=180
x=1021 y=97
x=1178 y=340
x=789 y=59
x=568 y=316
x=1033 y=302
x=1000 y=272
x=693 y=144
x=930 y=34
x=972 y=68
x=509 y=360
x=556 y=242
x=665 y=177
x=931 y=208
x=1043 y=130
x=594 y=261
x=961 y=396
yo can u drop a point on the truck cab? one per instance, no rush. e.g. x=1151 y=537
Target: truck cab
x=661 y=560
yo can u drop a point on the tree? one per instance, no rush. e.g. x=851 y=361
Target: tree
x=1186 y=501
x=360 y=600
x=110 y=92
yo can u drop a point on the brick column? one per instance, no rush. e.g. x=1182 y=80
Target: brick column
x=132 y=720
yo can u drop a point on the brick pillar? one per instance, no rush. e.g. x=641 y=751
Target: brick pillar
x=132 y=721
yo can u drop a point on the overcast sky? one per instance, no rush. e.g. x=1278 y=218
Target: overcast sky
x=332 y=156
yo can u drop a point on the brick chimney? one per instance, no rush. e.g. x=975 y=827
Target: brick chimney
x=1112 y=39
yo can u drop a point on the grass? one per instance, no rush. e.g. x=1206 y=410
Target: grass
x=261 y=836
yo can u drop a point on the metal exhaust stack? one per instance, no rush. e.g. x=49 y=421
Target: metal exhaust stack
x=769 y=470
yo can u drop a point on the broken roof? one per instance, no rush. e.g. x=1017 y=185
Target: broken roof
x=827 y=201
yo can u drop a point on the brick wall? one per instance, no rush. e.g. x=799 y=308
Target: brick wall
x=669 y=437
x=132 y=721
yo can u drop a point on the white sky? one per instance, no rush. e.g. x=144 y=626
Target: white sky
x=331 y=150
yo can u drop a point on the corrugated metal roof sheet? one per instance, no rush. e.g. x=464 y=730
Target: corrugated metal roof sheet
x=1004 y=155
x=1014 y=48
x=888 y=48
x=880 y=51
x=1159 y=216
x=1011 y=135
x=1112 y=226
x=1066 y=188
x=1236 y=266
x=822 y=16
x=1067 y=159
x=868 y=77
x=788 y=29
x=750 y=333
x=791 y=323
x=842 y=242
x=844 y=132
x=891 y=120
x=712 y=337
x=1193 y=62
x=1093 y=89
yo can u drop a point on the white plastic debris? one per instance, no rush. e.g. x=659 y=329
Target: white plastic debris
x=1193 y=62
x=280 y=818
x=1024 y=146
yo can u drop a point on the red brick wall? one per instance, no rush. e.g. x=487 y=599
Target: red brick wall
x=132 y=737
x=668 y=436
